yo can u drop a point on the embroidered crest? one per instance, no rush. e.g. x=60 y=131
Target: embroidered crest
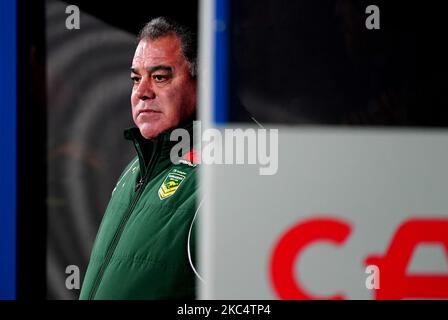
x=171 y=183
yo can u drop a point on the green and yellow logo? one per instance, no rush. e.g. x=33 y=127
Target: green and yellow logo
x=171 y=183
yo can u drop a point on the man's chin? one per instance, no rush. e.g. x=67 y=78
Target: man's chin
x=149 y=133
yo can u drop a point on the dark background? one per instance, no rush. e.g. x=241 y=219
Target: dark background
x=315 y=62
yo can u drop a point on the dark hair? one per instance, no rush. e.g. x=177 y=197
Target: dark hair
x=162 y=26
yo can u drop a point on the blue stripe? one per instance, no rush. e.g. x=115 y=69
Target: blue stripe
x=8 y=107
x=221 y=93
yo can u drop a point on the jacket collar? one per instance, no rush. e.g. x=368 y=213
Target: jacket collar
x=162 y=142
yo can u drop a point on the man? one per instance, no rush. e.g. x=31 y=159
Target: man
x=144 y=248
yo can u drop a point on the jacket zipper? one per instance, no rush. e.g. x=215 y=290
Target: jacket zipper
x=111 y=249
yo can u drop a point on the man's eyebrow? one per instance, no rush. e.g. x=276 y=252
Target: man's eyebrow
x=154 y=69
x=159 y=67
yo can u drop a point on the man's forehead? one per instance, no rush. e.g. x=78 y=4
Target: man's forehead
x=162 y=50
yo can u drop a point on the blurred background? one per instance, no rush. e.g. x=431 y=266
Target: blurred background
x=308 y=62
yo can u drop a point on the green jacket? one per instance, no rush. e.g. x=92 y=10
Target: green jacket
x=145 y=245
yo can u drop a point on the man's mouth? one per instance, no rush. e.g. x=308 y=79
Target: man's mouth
x=147 y=111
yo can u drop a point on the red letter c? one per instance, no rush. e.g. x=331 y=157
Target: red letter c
x=289 y=247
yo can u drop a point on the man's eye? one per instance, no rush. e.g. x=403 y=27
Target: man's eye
x=135 y=79
x=160 y=77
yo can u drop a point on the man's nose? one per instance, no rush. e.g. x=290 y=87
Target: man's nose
x=145 y=90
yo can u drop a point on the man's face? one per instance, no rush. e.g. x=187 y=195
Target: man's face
x=164 y=93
